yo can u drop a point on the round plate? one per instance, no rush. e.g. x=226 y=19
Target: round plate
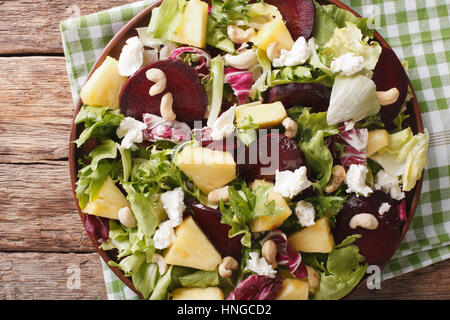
x=114 y=49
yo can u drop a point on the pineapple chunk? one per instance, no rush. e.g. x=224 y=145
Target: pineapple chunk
x=210 y=293
x=267 y=115
x=192 y=248
x=267 y=223
x=293 y=289
x=109 y=201
x=192 y=29
x=377 y=139
x=208 y=169
x=104 y=86
x=273 y=31
x=316 y=238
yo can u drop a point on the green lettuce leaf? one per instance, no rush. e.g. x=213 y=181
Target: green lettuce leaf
x=200 y=279
x=166 y=18
x=312 y=129
x=405 y=155
x=99 y=122
x=145 y=278
x=246 y=130
x=217 y=77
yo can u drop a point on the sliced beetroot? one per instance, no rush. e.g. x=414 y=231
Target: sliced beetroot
x=389 y=73
x=313 y=95
x=208 y=219
x=269 y=152
x=376 y=245
x=189 y=96
x=299 y=16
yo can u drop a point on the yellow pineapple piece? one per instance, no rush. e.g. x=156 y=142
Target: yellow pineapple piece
x=104 y=86
x=316 y=238
x=267 y=223
x=192 y=248
x=274 y=31
x=192 y=29
x=109 y=201
x=267 y=115
x=377 y=139
x=210 y=293
x=293 y=289
x=208 y=169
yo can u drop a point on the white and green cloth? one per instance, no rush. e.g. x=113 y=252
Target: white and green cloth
x=417 y=30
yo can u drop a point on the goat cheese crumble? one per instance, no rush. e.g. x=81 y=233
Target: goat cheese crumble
x=299 y=53
x=347 y=64
x=389 y=184
x=259 y=265
x=173 y=203
x=224 y=125
x=164 y=236
x=132 y=57
x=356 y=180
x=385 y=207
x=290 y=183
x=305 y=213
x=130 y=130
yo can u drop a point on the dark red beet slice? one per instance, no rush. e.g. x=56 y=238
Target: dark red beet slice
x=389 y=73
x=208 y=219
x=299 y=16
x=313 y=95
x=270 y=152
x=376 y=245
x=189 y=96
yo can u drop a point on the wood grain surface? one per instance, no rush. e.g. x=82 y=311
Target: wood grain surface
x=41 y=237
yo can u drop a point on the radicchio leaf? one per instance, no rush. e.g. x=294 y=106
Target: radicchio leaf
x=256 y=287
x=402 y=210
x=355 y=152
x=241 y=81
x=286 y=255
x=160 y=129
x=96 y=226
x=353 y=156
x=203 y=68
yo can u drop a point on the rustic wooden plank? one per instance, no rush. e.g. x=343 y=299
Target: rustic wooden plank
x=32 y=26
x=37 y=210
x=429 y=283
x=36 y=108
x=51 y=276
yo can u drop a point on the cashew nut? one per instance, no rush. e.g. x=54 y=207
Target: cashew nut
x=166 y=107
x=238 y=35
x=243 y=60
x=227 y=266
x=388 y=97
x=290 y=127
x=269 y=252
x=273 y=51
x=126 y=217
x=364 y=220
x=159 y=78
x=215 y=196
x=337 y=177
x=313 y=277
x=159 y=260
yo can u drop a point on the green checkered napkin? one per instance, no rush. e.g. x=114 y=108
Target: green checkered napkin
x=418 y=31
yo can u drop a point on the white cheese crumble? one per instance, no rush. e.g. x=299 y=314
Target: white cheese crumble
x=130 y=130
x=299 y=53
x=305 y=213
x=259 y=265
x=289 y=183
x=173 y=204
x=224 y=125
x=347 y=64
x=389 y=184
x=164 y=236
x=385 y=207
x=356 y=180
x=131 y=57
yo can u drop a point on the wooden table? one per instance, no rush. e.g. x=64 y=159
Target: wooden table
x=41 y=237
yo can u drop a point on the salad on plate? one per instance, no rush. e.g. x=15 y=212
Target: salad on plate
x=248 y=150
